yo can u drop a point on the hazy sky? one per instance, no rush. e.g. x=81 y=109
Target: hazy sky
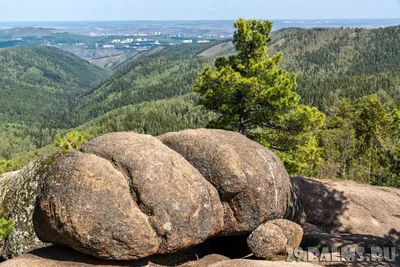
x=55 y=10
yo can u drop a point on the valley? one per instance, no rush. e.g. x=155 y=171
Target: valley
x=149 y=92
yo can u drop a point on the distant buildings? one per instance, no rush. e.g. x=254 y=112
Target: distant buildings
x=187 y=41
x=108 y=46
x=127 y=41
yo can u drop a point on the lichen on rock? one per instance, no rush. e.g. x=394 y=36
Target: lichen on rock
x=17 y=197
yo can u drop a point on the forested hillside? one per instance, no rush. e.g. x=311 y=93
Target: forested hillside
x=350 y=63
x=38 y=88
x=40 y=84
x=74 y=97
x=155 y=117
x=164 y=74
x=151 y=94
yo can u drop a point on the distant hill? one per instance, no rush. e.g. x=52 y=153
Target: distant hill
x=40 y=83
x=117 y=61
x=334 y=63
x=29 y=31
x=149 y=92
x=154 y=117
x=159 y=75
x=31 y=36
x=345 y=51
x=219 y=49
x=38 y=88
x=330 y=63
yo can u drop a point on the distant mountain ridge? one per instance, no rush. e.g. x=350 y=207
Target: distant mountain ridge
x=29 y=31
x=151 y=94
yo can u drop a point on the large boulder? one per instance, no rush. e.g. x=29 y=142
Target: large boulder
x=267 y=241
x=274 y=238
x=125 y=196
x=349 y=207
x=251 y=180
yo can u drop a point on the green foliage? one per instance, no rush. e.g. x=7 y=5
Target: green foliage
x=6 y=227
x=346 y=62
x=39 y=85
x=161 y=74
x=360 y=142
x=155 y=118
x=248 y=89
x=38 y=88
x=5 y=165
x=72 y=140
x=252 y=95
x=158 y=76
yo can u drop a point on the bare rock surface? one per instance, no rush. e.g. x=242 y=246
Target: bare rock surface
x=206 y=261
x=292 y=231
x=250 y=179
x=126 y=196
x=349 y=207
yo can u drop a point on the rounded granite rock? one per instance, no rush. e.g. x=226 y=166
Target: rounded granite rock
x=267 y=241
x=251 y=180
x=126 y=196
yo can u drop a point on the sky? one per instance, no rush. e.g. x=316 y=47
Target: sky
x=98 y=10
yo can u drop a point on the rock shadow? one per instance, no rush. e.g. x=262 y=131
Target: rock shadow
x=323 y=206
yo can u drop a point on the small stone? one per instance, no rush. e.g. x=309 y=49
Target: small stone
x=275 y=238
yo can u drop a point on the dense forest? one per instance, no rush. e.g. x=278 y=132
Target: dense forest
x=85 y=92
x=165 y=74
x=334 y=63
x=38 y=88
x=352 y=75
x=41 y=83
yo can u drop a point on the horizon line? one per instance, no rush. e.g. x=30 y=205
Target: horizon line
x=171 y=20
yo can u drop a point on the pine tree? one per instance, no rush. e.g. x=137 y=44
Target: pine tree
x=72 y=140
x=254 y=96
